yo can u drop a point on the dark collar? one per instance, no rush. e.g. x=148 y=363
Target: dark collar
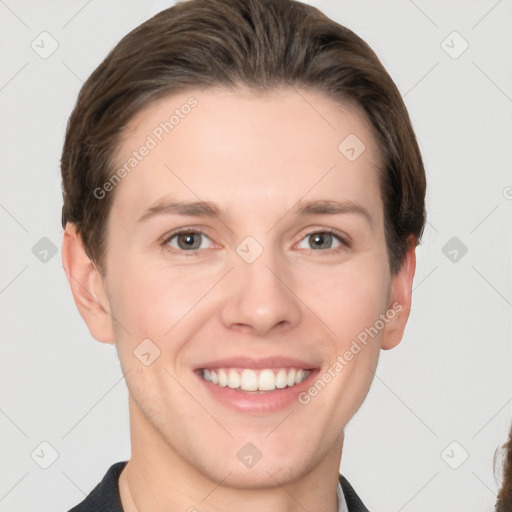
x=354 y=502
x=105 y=496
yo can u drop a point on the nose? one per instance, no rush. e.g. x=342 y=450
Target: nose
x=260 y=296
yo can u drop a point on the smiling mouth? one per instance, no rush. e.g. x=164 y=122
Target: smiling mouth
x=257 y=381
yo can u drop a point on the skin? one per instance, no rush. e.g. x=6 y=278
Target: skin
x=254 y=156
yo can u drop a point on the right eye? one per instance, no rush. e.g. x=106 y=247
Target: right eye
x=186 y=240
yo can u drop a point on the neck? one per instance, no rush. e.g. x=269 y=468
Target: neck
x=159 y=479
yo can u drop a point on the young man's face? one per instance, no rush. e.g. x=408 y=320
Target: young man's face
x=259 y=289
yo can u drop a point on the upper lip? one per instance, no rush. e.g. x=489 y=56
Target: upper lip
x=257 y=363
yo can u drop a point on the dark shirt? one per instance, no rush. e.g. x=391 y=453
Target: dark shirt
x=105 y=496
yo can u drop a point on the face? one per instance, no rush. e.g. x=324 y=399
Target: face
x=275 y=279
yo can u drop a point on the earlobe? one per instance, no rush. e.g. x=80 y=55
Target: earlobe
x=399 y=305
x=86 y=286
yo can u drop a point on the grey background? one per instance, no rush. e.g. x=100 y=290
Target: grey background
x=449 y=379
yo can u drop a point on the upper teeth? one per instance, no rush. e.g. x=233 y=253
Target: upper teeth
x=255 y=380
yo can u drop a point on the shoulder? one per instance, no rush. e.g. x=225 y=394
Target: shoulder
x=105 y=496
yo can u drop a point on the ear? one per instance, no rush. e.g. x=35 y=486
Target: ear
x=86 y=286
x=399 y=305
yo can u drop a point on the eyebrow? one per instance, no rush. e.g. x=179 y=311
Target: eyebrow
x=209 y=209
x=185 y=208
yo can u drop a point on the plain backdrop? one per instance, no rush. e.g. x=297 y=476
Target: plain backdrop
x=440 y=404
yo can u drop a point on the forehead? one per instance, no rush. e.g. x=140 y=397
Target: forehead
x=242 y=147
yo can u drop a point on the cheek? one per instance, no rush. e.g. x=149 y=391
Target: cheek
x=157 y=301
x=349 y=304
x=350 y=300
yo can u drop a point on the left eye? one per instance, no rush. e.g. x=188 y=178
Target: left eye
x=187 y=241
x=322 y=240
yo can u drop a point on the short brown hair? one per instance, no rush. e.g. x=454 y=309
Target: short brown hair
x=262 y=44
x=504 y=502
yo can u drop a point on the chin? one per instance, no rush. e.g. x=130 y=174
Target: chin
x=261 y=476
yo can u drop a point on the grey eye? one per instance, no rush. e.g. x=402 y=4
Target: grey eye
x=187 y=241
x=320 y=240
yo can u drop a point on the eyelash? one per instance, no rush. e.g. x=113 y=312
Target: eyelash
x=344 y=241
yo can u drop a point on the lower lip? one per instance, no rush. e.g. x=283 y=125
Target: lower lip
x=258 y=403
